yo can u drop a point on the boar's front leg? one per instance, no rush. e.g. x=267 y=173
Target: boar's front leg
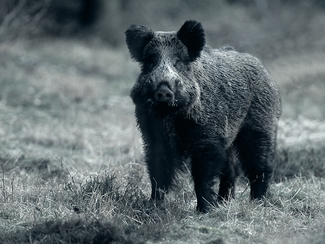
x=160 y=154
x=208 y=160
x=160 y=159
x=228 y=176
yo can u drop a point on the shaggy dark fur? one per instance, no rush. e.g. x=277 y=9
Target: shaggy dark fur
x=203 y=105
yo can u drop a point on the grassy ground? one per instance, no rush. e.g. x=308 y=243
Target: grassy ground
x=72 y=167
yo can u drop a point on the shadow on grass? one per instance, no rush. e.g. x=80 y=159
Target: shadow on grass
x=71 y=231
x=133 y=218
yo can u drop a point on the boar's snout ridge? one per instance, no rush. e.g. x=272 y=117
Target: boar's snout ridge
x=163 y=94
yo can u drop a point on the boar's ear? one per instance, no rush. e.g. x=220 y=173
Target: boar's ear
x=192 y=36
x=137 y=37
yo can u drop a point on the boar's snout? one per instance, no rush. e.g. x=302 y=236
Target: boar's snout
x=163 y=94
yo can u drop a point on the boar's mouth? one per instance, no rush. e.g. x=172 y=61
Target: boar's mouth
x=163 y=107
x=166 y=101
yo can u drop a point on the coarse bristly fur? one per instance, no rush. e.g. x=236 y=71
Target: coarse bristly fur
x=211 y=107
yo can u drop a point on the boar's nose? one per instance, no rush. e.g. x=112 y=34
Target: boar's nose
x=163 y=94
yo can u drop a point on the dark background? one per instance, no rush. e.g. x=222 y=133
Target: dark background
x=265 y=28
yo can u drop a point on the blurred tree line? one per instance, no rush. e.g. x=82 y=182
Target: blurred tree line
x=242 y=23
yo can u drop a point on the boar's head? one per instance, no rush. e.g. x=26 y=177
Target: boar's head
x=167 y=83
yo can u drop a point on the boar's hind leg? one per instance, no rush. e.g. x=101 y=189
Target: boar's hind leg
x=207 y=163
x=256 y=151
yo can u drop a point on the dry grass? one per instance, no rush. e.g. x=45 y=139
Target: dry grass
x=72 y=166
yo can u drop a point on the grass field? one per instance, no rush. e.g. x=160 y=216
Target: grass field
x=71 y=160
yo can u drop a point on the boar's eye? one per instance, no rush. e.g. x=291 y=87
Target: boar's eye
x=181 y=65
x=150 y=62
x=178 y=64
